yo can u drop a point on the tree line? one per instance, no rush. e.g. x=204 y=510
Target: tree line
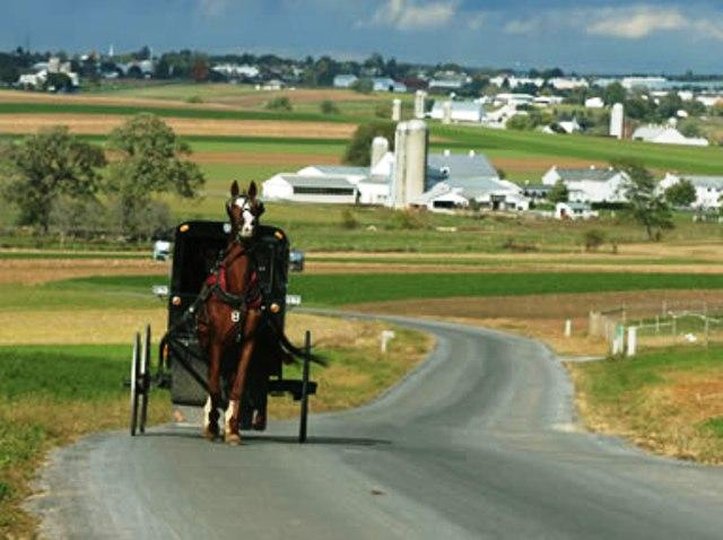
x=57 y=181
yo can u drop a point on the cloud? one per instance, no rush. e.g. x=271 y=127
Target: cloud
x=213 y=8
x=475 y=21
x=625 y=22
x=412 y=15
x=636 y=22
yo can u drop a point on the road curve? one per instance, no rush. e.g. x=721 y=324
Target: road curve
x=479 y=442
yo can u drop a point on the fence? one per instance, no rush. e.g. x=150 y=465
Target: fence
x=628 y=328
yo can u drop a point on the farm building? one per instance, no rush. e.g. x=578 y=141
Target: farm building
x=589 y=185
x=352 y=174
x=453 y=166
x=385 y=84
x=459 y=192
x=666 y=135
x=316 y=189
x=708 y=189
x=345 y=80
x=574 y=210
x=460 y=111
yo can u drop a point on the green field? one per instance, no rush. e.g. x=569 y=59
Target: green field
x=342 y=289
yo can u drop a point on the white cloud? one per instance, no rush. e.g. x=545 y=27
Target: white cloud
x=636 y=22
x=213 y=8
x=628 y=22
x=411 y=15
x=475 y=21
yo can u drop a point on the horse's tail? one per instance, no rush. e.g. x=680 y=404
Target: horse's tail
x=293 y=350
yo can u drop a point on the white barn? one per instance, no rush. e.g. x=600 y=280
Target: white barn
x=312 y=189
x=666 y=135
x=589 y=185
x=460 y=111
x=708 y=189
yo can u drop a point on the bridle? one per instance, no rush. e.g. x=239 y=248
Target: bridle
x=250 y=210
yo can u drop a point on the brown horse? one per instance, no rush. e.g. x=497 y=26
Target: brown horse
x=231 y=312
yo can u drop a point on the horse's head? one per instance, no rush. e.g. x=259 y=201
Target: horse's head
x=244 y=210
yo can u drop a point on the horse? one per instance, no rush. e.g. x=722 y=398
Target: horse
x=231 y=312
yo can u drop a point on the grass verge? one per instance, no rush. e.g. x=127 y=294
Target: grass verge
x=51 y=395
x=668 y=401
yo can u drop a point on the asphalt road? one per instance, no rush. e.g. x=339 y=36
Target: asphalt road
x=479 y=442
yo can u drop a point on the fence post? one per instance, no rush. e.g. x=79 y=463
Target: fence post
x=632 y=340
x=568 y=328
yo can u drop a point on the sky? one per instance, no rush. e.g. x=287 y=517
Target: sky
x=583 y=36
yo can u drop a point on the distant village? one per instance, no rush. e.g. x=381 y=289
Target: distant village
x=654 y=109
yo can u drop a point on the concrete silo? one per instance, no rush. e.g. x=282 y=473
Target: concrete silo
x=416 y=170
x=380 y=146
x=419 y=98
x=410 y=162
x=447 y=112
x=617 y=121
x=396 y=110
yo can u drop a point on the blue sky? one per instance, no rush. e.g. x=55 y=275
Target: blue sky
x=588 y=36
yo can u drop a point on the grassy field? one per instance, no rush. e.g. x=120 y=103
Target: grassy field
x=667 y=401
x=50 y=395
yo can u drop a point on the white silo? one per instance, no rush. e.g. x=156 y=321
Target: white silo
x=419 y=98
x=380 y=146
x=398 y=191
x=416 y=168
x=617 y=121
x=396 y=110
x=447 y=112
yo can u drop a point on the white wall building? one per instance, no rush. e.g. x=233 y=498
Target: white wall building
x=666 y=135
x=590 y=185
x=311 y=189
x=460 y=111
x=708 y=189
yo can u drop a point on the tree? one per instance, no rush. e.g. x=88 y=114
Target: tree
x=559 y=192
x=47 y=165
x=358 y=152
x=647 y=207
x=614 y=93
x=152 y=161
x=328 y=107
x=199 y=68
x=682 y=193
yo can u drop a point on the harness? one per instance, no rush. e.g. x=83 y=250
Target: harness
x=216 y=284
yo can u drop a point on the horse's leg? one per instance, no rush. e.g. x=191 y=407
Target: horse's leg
x=247 y=348
x=210 y=424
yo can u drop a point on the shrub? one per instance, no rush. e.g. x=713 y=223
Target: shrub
x=348 y=221
x=328 y=107
x=194 y=99
x=281 y=103
x=408 y=219
x=593 y=239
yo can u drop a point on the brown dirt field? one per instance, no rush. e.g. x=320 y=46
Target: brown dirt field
x=263 y=158
x=85 y=99
x=92 y=124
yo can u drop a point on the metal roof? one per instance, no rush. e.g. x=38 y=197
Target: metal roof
x=317 y=181
x=714 y=182
x=341 y=170
x=594 y=175
x=461 y=165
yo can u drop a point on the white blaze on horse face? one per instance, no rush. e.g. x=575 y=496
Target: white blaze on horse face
x=248 y=218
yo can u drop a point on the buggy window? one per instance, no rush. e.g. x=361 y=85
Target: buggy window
x=198 y=256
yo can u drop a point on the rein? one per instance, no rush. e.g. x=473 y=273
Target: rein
x=236 y=301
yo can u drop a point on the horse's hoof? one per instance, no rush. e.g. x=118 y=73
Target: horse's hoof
x=233 y=439
x=209 y=434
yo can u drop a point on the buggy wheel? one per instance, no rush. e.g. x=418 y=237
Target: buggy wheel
x=304 y=413
x=135 y=370
x=145 y=378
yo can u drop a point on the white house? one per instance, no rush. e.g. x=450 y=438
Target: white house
x=708 y=189
x=460 y=111
x=345 y=80
x=312 y=189
x=594 y=103
x=666 y=135
x=385 y=84
x=591 y=185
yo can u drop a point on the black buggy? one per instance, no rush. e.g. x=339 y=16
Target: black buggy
x=182 y=366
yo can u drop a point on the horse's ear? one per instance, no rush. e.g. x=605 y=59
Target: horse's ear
x=252 y=190
x=234 y=189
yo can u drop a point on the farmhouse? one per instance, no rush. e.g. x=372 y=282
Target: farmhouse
x=345 y=80
x=708 y=189
x=666 y=135
x=385 y=84
x=591 y=185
